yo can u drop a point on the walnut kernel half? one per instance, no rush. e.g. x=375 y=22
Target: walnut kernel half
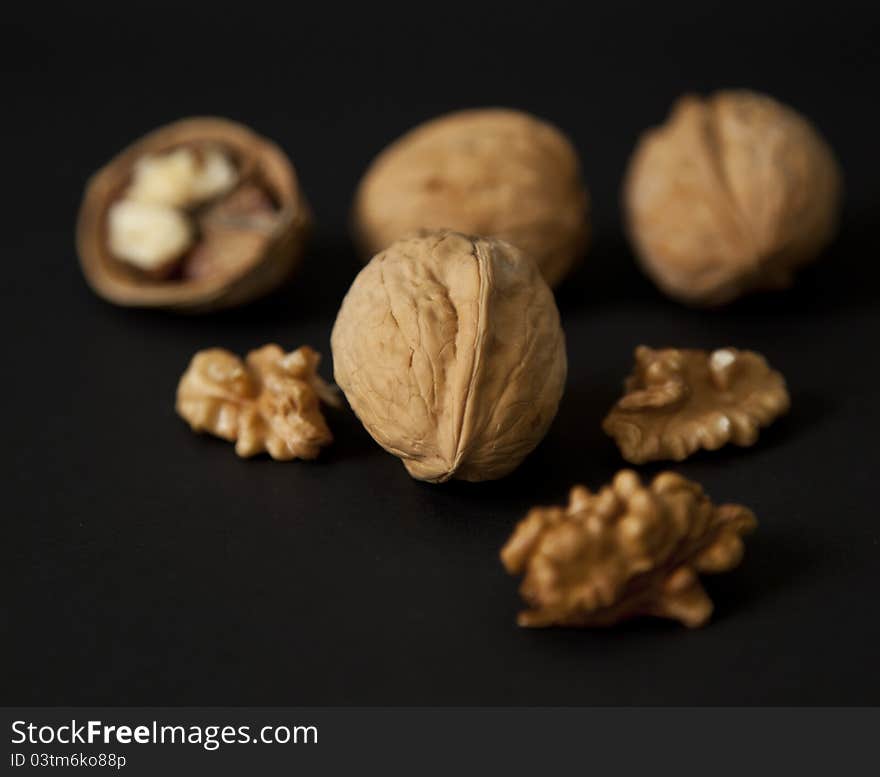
x=628 y=550
x=677 y=401
x=268 y=402
x=149 y=236
x=182 y=177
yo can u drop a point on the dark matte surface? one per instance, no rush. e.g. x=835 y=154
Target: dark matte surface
x=151 y=566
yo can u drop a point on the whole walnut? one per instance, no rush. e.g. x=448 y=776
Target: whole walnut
x=491 y=172
x=450 y=351
x=732 y=194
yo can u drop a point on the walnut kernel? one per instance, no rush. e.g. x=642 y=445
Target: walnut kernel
x=268 y=402
x=677 y=401
x=182 y=177
x=732 y=194
x=149 y=236
x=628 y=550
x=450 y=351
x=150 y=227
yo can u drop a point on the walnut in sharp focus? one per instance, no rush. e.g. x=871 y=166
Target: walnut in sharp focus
x=732 y=194
x=677 y=401
x=199 y=215
x=491 y=172
x=450 y=351
x=628 y=550
x=268 y=402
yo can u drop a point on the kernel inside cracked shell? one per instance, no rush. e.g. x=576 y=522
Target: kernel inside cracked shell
x=198 y=215
x=195 y=211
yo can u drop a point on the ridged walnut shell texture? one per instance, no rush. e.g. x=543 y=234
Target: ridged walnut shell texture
x=490 y=172
x=732 y=194
x=450 y=351
x=259 y=160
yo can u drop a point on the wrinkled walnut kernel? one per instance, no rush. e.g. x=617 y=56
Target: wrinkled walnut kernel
x=149 y=227
x=626 y=551
x=268 y=402
x=152 y=238
x=182 y=177
x=678 y=401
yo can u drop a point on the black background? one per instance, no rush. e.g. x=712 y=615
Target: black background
x=151 y=566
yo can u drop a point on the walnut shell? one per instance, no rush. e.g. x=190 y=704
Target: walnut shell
x=491 y=172
x=732 y=194
x=258 y=266
x=450 y=351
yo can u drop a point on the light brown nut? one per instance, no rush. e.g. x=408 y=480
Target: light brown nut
x=732 y=194
x=268 y=402
x=191 y=168
x=628 y=550
x=450 y=351
x=677 y=401
x=490 y=172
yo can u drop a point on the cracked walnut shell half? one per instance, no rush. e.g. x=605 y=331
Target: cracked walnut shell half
x=733 y=193
x=677 y=401
x=628 y=550
x=198 y=215
x=450 y=352
x=269 y=401
x=492 y=172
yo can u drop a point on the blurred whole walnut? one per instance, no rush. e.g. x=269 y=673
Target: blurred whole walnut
x=732 y=194
x=450 y=351
x=491 y=172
